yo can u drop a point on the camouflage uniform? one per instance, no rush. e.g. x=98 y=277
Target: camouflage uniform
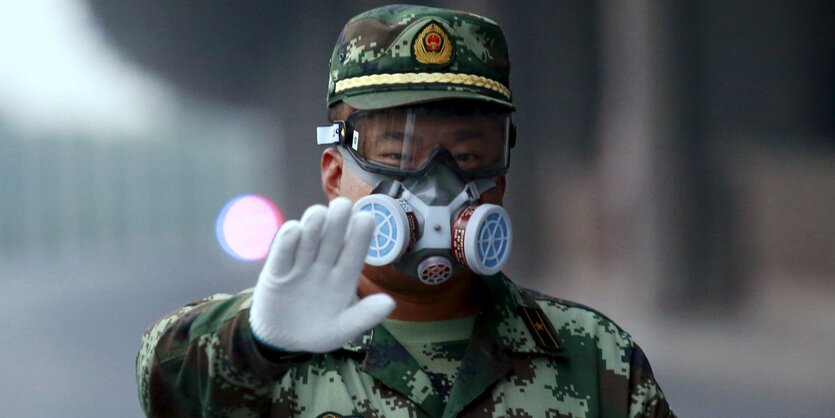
x=203 y=361
x=529 y=355
x=437 y=346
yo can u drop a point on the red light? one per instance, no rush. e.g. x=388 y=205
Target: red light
x=246 y=226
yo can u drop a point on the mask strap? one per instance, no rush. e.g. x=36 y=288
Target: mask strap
x=472 y=191
x=484 y=184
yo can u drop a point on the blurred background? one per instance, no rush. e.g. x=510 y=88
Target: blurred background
x=675 y=169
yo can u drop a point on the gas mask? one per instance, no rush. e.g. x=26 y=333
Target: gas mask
x=428 y=175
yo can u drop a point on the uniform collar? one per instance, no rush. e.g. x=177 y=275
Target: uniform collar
x=501 y=315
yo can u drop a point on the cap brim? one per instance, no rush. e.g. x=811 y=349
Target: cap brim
x=386 y=99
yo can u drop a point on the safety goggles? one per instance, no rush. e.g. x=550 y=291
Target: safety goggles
x=404 y=142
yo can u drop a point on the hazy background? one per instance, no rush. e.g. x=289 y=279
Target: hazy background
x=675 y=169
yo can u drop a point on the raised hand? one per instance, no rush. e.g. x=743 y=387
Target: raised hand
x=305 y=299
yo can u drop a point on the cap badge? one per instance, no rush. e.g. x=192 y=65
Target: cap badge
x=432 y=45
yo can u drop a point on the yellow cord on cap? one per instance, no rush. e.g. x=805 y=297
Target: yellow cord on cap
x=421 y=78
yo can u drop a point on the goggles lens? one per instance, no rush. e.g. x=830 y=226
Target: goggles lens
x=406 y=141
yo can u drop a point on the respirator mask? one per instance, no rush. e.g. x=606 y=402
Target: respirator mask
x=428 y=168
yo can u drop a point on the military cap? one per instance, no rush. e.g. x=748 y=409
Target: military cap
x=402 y=54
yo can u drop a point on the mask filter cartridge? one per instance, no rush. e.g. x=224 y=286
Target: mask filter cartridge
x=396 y=229
x=480 y=238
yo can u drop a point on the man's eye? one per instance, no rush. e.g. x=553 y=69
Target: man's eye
x=466 y=157
x=395 y=156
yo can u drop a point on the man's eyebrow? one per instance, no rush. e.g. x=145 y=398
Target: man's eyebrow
x=386 y=137
x=390 y=135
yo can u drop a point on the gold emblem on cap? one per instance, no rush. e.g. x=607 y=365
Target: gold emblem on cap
x=432 y=45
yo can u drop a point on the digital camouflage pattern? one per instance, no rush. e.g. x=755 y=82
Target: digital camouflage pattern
x=437 y=346
x=401 y=54
x=440 y=362
x=202 y=361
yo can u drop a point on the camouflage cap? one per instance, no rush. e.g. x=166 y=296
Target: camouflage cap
x=402 y=54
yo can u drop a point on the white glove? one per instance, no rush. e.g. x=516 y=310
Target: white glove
x=304 y=297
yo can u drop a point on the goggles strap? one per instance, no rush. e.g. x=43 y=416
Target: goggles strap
x=371 y=179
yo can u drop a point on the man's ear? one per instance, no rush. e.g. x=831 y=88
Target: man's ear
x=331 y=173
x=495 y=195
x=501 y=184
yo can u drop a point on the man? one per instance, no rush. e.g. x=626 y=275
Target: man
x=390 y=302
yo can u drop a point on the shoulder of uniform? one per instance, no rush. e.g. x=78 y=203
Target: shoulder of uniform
x=217 y=309
x=577 y=317
x=189 y=313
x=543 y=299
x=199 y=317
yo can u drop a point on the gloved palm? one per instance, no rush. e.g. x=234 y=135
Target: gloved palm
x=304 y=299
